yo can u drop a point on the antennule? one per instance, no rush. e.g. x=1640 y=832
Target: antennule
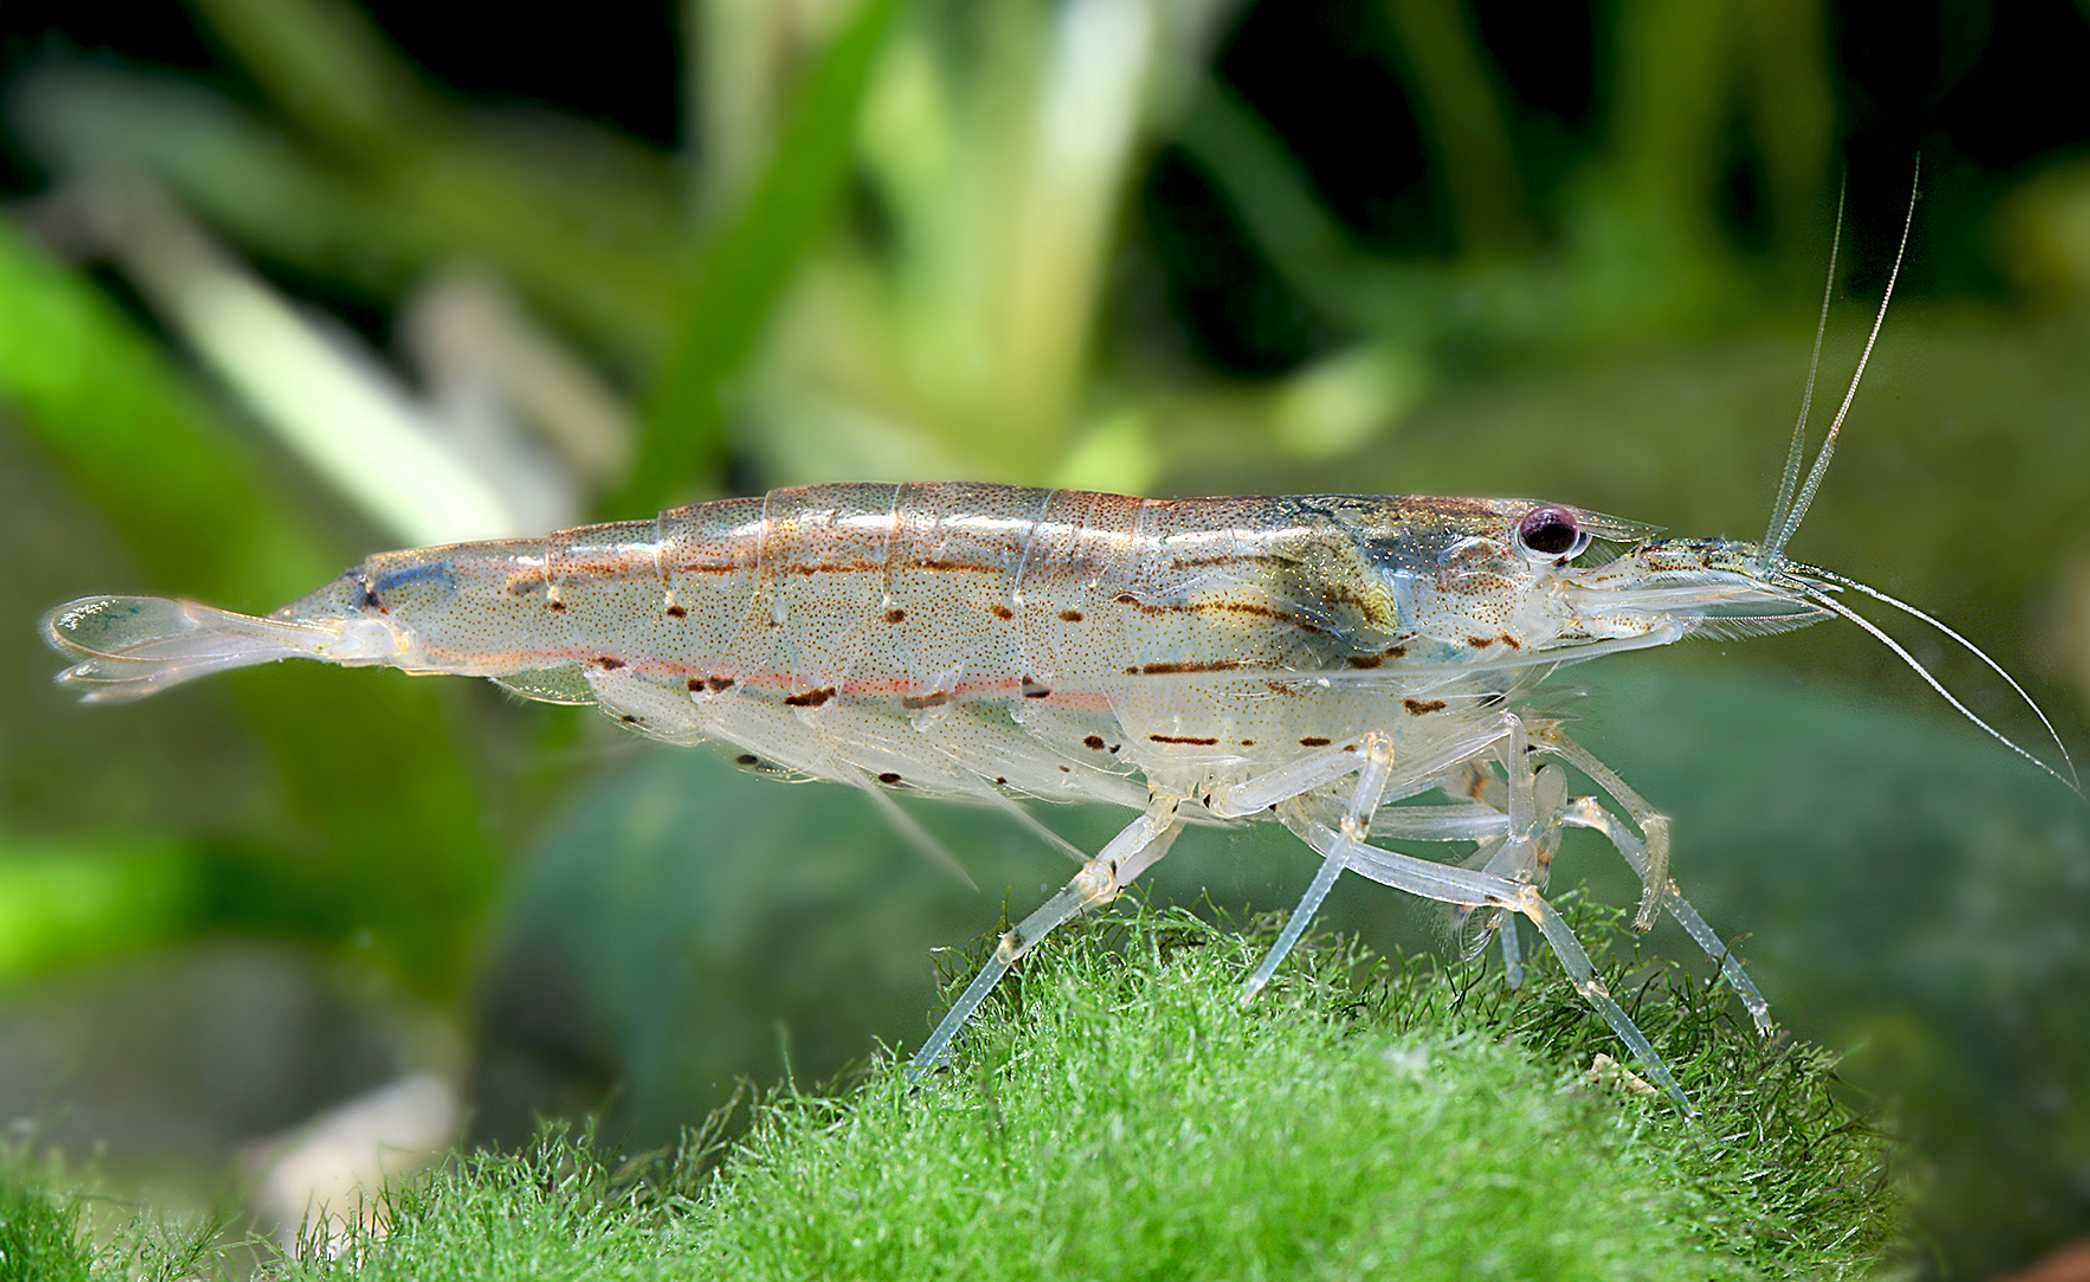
x=1774 y=547
x=1796 y=453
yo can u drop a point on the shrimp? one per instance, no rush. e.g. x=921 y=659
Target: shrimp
x=1306 y=660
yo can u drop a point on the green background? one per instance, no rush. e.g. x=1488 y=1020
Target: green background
x=1180 y=248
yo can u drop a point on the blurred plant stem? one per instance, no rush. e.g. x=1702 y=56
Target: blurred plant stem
x=1459 y=110
x=1793 y=113
x=338 y=409
x=403 y=846
x=999 y=180
x=1673 y=71
x=745 y=59
x=583 y=233
x=326 y=67
x=739 y=273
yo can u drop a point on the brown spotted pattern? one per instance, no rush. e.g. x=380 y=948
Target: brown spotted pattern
x=968 y=637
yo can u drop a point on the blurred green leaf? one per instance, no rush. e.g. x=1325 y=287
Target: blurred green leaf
x=1461 y=115
x=62 y=905
x=736 y=278
x=327 y=64
x=156 y=458
x=574 y=217
x=68 y=904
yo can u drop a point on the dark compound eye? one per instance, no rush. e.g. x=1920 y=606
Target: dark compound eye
x=1550 y=531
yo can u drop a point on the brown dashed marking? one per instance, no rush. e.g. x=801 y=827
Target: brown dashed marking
x=1071 y=616
x=1177 y=738
x=1033 y=690
x=1066 y=770
x=896 y=616
x=695 y=684
x=677 y=612
x=1094 y=743
x=535 y=577
x=889 y=778
x=628 y=719
x=1170 y=669
x=709 y=567
x=837 y=567
x=1340 y=593
x=933 y=699
x=1251 y=608
x=956 y=567
x=809 y=698
x=1002 y=612
x=1186 y=563
x=1480 y=643
x=555 y=604
x=1364 y=662
x=1001 y=781
x=1314 y=741
x=1248 y=743
x=1511 y=641
x=1219 y=607
x=747 y=759
x=716 y=684
x=1422 y=707
x=608 y=662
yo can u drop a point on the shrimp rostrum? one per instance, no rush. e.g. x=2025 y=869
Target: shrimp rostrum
x=1307 y=661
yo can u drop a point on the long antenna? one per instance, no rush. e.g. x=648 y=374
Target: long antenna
x=1775 y=548
x=1808 y=573
x=1797 y=453
x=1900 y=652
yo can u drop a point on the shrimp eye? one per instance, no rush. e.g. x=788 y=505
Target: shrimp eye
x=1551 y=531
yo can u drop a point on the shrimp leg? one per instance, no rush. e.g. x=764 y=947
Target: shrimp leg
x=1649 y=860
x=1482 y=822
x=1135 y=849
x=1377 y=783
x=1475 y=889
x=1371 y=789
x=1587 y=812
x=1653 y=824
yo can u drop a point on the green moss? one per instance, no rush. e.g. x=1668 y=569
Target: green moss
x=47 y=1235
x=39 y=1228
x=1114 y=1114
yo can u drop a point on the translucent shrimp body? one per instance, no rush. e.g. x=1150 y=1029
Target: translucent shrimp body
x=965 y=638
x=1303 y=659
x=1307 y=660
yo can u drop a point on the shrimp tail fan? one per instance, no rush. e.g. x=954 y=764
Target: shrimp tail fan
x=128 y=647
